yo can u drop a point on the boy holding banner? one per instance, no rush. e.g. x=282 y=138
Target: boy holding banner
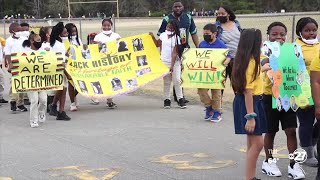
x=213 y=104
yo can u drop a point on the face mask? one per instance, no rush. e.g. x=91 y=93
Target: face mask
x=222 y=19
x=207 y=38
x=309 y=41
x=16 y=34
x=25 y=34
x=37 y=45
x=107 y=32
x=73 y=37
x=169 y=32
x=64 y=38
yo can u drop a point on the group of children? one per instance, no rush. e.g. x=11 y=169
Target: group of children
x=252 y=106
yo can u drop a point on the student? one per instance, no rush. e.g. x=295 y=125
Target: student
x=213 y=104
x=38 y=98
x=315 y=87
x=25 y=30
x=14 y=44
x=58 y=34
x=1 y=77
x=45 y=33
x=103 y=37
x=306 y=30
x=73 y=37
x=248 y=112
x=169 y=42
x=277 y=31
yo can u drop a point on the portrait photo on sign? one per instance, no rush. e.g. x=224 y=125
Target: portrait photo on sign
x=96 y=86
x=132 y=83
x=296 y=51
x=85 y=51
x=103 y=48
x=73 y=53
x=293 y=103
x=116 y=84
x=142 y=60
x=83 y=86
x=122 y=46
x=300 y=77
x=279 y=103
x=137 y=44
x=143 y=71
x=266 y=50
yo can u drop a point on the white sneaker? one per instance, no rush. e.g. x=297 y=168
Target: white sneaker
x=271 y=169
x=94 y=102
x=34 y=124
x=42 y=118
x=73 y=107
x=296 y=172
x=76 y=101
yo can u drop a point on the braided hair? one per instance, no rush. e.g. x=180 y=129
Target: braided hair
x=303 y=22
x=55 y=34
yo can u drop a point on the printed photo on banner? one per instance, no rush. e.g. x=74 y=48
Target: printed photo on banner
x=122 y=46
x=142 y=60
x=73 y=54
x=141 y=72
x=83 y=86
x=296 y=51
x=103 y=48
x=137 y=44
x=85 y=51
x=116 y=84
x=300 y=77
x=293 y=103
x=279 y=103
x=96 y=86
x=132 y=83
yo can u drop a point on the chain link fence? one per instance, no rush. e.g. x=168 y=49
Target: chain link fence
x=132 y=26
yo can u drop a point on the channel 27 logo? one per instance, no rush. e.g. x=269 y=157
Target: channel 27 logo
x=299 y=156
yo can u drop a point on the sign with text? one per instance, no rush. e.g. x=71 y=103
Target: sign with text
x=203 y=68
x=289 y=76
x=37 y=71
x=116 y=68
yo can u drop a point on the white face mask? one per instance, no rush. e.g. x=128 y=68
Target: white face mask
x=16 y=34
x=64 y=38
x=25 y=34
x=169 y=32
x=107 y=32
x=309 y=41
x=73 y=37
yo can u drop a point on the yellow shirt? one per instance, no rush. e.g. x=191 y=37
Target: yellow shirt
x=315 y=64
x=257 y=85
x=3 y=42
x=309 y=52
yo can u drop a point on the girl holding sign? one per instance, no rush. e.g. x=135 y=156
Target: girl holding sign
x=306 y=31
x=249 y=116
x=58 y=34
x=277 y=31
x=38 y=99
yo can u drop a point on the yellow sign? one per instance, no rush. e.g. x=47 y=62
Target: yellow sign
x=115 y=68
x=37 y=71
x=203 y=68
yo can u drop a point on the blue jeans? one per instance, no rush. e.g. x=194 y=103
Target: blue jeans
x=307 y=129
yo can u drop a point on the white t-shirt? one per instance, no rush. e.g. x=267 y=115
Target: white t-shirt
x=103 y=38
x=1 y=54
x=167 y=46
x=13 y=45
x=59 y=47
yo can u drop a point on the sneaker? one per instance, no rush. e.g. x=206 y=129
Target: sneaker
x=209 y=113
x=167 y=104
x=216 y=117
x=34 y=124
x=42 y=118
x=94 y=102
x=296 y=172
x=271 y=169
x=186 y=101
x=182 y=103
x=22 y=108
x=73 y=107
x=111 y=105
x=76 y=101
x=3 y=101
x=13 y=106
x=53 y=110
x=63 y=116
x=26 y=102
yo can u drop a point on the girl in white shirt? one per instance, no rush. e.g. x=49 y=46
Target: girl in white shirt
x=58 y=34
x=169 y=42
x=38 y=99
x=73 y=37
x=102 y=38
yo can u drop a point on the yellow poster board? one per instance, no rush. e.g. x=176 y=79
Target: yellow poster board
x=116 y=68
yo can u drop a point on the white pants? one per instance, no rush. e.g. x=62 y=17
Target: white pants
x=175 y=76
x=38 y=107
x=1 y=83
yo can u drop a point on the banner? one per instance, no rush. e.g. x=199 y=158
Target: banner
x=116 y=68
x=37 y=71
x=203 y=68
x=289 y=76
